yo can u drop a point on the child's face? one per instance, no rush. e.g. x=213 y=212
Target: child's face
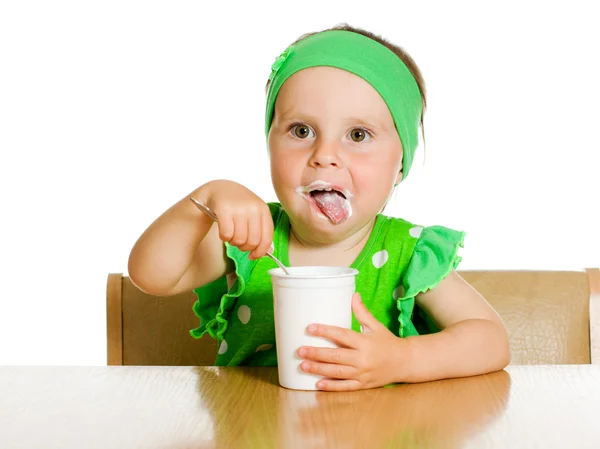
x=332 y=126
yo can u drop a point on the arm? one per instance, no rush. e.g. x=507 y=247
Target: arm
x=473 y=339
x=180 y=250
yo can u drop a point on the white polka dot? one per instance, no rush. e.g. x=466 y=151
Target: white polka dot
x=223 y=347
x=380 y=258
x=244 y=314
x=398 y=292
x=263 y=348
x=416 y=231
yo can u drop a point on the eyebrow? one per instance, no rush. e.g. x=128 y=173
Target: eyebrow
x=368 y=123
x=290 y=114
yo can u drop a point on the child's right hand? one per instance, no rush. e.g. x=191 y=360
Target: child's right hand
x=244 y=218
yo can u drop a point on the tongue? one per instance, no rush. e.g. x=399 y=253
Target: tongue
x=333 y=204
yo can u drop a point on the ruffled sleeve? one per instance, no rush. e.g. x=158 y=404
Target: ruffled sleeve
x=215 y=301
x=434 y=257
x=206 y=307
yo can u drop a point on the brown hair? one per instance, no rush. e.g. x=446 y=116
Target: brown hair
x=398 y=51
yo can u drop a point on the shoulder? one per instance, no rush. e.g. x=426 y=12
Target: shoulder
x=434 y=257
x=396 y=227
x=397 y=234
x=423 y=236
x=427 y=253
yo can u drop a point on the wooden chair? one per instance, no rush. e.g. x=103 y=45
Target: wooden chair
x=153 y=330
x=553 y=317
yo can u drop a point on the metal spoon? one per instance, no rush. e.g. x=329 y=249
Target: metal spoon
x=212 y=215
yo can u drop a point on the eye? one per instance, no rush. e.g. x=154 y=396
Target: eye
x=301 y=131
x=359 y=134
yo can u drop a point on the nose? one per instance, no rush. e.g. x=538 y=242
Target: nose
x=326 y=155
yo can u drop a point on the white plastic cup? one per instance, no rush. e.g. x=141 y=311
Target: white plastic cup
x=308 y=295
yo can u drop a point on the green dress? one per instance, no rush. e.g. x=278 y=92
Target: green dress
x=399 y=261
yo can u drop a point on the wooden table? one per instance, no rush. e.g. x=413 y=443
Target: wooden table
x=188 y=407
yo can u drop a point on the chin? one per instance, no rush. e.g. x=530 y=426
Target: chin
x=322 y=228
x=328 y=233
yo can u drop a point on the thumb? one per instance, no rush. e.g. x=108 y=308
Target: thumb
x=368 y=322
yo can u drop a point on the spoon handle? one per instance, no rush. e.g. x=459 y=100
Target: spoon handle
x=204 y=209
x=278 y=262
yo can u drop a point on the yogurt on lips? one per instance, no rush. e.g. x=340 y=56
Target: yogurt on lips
x=332 y=202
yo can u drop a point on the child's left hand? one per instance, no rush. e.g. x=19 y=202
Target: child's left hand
x=363 y=360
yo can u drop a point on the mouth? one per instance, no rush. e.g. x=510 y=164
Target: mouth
x=327 y=200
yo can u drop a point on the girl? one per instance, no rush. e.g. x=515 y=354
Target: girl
x=342 y=117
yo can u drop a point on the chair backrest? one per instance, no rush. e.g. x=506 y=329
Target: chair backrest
x=153 y=330
x=547 y=314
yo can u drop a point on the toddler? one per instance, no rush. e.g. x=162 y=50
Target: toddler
x=343 y=112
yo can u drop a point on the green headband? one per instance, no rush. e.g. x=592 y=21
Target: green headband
x=364 y=57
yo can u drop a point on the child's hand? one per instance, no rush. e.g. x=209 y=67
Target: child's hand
x=244 y=218
x=368 y=360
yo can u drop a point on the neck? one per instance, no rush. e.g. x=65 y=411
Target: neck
x=304 y=250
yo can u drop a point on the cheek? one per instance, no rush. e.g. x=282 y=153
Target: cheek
x=283 y=168
x=378 y=174
x=373 y=185
x=276 y=175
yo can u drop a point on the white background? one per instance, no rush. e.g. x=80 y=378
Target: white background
x=111 y=111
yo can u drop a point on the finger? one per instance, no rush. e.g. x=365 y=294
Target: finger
x=339 y=385
x=226 y=227
x=266 y=237
x=240 y=232
x=342 y=337
x=329 y=370
x=253 y=233
x=340 y=356
x=366 y=319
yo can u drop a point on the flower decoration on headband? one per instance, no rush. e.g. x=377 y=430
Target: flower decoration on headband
x=280 y=60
